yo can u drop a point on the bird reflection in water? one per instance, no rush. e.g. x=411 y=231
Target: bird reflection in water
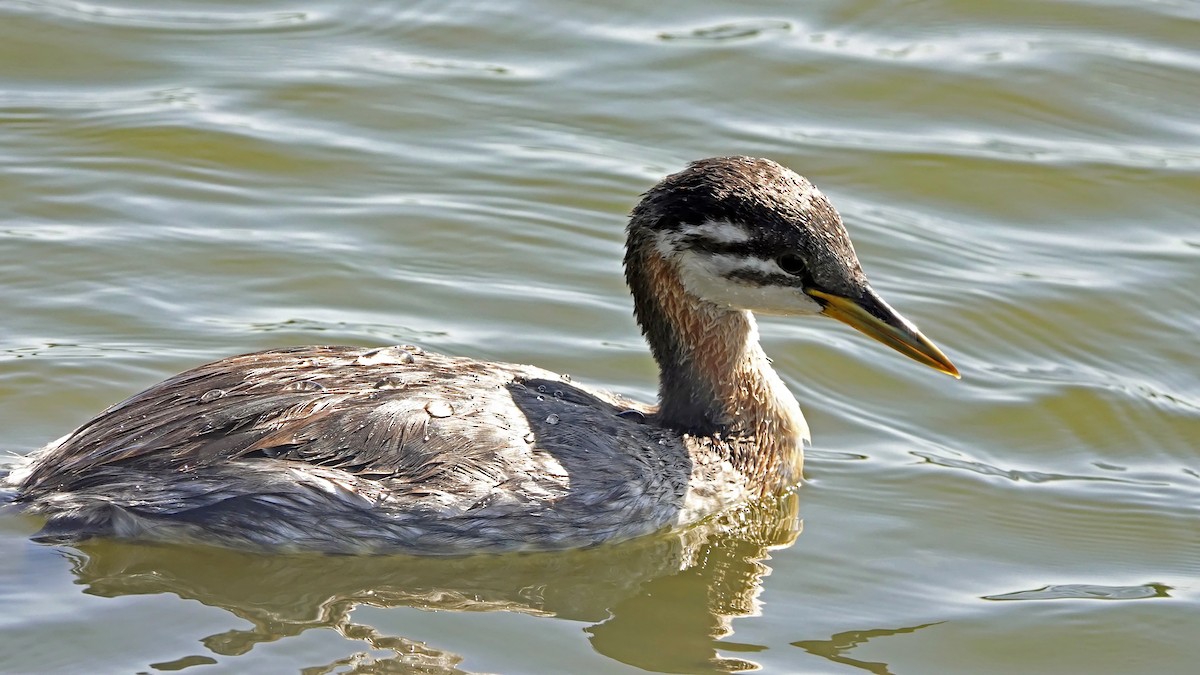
x=661 y=603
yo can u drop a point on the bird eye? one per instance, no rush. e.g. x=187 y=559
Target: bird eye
x=792 y=264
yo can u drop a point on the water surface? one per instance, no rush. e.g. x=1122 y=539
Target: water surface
x=187 y=180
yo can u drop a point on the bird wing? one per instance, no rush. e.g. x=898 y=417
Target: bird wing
x=406 y=418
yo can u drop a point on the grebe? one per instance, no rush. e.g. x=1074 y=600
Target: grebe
x=393 y=449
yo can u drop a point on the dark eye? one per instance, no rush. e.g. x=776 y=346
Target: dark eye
x=792 y=264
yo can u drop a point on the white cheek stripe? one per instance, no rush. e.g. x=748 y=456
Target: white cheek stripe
x=727 y=263
x=702 y=277
x=716 y=231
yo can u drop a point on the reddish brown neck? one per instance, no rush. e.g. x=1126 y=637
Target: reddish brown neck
x=714 y=376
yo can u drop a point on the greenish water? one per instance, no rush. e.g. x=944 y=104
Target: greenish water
x=183 y=181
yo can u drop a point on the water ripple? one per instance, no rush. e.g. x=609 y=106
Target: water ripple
x=392 y=62
x=173 y=20
x=1018 y=475
x=734 y=31
x=1006 y=147
x=1087 y=592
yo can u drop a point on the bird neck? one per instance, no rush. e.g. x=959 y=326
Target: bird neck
x=714 y=378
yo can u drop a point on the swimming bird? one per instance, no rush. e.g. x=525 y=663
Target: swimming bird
x=395 y=449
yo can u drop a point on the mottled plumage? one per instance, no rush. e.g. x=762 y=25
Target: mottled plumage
x=346 y=449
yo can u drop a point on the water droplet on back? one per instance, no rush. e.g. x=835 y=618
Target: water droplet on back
x=633 y=415
x=439 y=409
x=386 y=355
x=552 y=419
x=390 y=382
x=212 y=395
x=305 y=385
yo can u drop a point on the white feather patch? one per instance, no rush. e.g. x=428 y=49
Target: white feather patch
x=670 y=242
x=707 y=277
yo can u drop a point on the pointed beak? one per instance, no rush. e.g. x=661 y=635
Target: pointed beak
x=871 y=315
